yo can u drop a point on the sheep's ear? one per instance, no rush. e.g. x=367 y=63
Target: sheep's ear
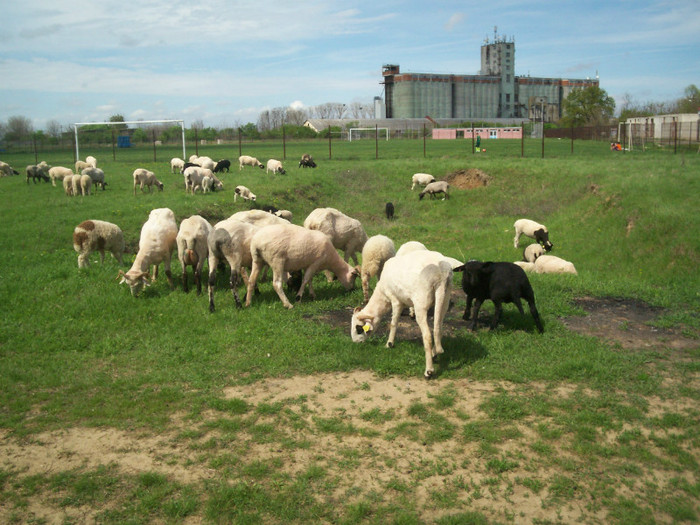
x=487 y=267
x=459 y=268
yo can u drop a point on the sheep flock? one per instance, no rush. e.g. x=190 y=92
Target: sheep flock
x=256 y=242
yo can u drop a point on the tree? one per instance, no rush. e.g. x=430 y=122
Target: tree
x=18 y=128
x=590 y=106
x=690 y=103
x=54 y=129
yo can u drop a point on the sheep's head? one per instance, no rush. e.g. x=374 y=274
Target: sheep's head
x=135 y=280
x=542 y=237
x=160 y=185
x=361 y=326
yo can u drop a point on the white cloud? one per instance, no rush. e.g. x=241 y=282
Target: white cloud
x=455 y=20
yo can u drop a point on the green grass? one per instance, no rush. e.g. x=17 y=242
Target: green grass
x=77 y=351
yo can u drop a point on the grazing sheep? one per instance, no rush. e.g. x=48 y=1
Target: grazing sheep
x=409 y=247
x=284 y=214
x=534 y=230
x=143 y=177
x=192 y=248
x=95 y=235
x=288 y=248
x=59 y=173
x=553 y=264
x=246 y=160
x=421 y=280
x=527 y=266
x=434 y=188
x=177 y=165
x=156 y=245
x=346 y=233
x=258 y=218
x=223 y=164
x=206 y=163
x=68 y=185
x=85 y=184
x=207 y=184
x=376 y=251
x=275 y=166
x=38 y=171
x=6 y=170
x=77 y=188
x=532 y=252
x=189 y=165
x=421 y=179
x=193 y=158
x=244 y=193
x=81 y=165
x=97 y=176
x=194 y=177
x=92 y=161
x=307 y=161
x=502 y=282
x=389 y=210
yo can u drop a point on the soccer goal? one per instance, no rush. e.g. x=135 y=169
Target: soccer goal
x=367 y=133
x=124 y=134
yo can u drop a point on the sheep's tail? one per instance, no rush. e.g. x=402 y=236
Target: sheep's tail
x=191 y=256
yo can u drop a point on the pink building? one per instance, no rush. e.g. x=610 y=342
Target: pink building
x=484 y=133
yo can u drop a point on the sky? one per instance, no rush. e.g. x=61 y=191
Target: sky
x=222 y=62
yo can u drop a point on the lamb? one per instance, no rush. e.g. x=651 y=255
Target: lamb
x=207 y=184
x=81 y=165
x=246 y=160
x=288 y=248
x=532 y=252
x=434 y=188
x=97 y=176
x=194 y=177
x=553 y=264
x=275 y=166
x=38 y=171
x=192 y=248
x=91 y=161
x=223 y=164
x=6 y=170
x=68 y=185
x=156 y=245
x=420 y=279
x=376 y=251
x=284 y=214
x=92 y=235
x=177 y=165
x=346 y=233
x=77 y=188
x=85 y=184
x=534 y=230
x=307 y=161
x=502 y=282
x=244 y=193
x=59 y=173
x=144 y=177
x=421 y=179
x=389 y=210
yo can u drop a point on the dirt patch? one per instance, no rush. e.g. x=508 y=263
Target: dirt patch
x=627 y=322
x=468 y=179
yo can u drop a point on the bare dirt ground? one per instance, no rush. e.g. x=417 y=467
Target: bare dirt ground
x=378 y=461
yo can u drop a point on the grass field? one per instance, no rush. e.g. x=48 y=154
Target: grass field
x=117 y=409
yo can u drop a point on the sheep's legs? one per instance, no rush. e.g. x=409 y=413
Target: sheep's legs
x=442 y=302
x=396 y=308
x=516 y=238
x=252 y=279
x=278 y=285
x=475 y=314
x=498 y=310
x=468 y=308
x=422 y=320
x=185 y=284
x=536 y=316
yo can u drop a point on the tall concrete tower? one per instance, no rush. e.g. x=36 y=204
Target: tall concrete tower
x=498 y=60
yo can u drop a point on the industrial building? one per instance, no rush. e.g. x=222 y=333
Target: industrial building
x=495 y=93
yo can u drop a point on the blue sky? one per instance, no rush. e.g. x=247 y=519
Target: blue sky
x=222 y=62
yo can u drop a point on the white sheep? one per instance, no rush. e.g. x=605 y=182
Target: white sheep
x=59 y=173
x=410 y=246
x=77 y=188
x=97 y=176
x=434 y=188
x=421 y=179
x=376 y=251
x=532 y=252
x=206 y=163
x=526 y=265
x=85 y=184
x=177 y=165
x=553 y=264
x=38 y=171
x=534 y=230
x=247 y=160
x=244 y=193
x=156 y=245
x=289 y=248
x=346 y=233
x=6 y=170
x=68 y=185
x=92 y=235
x=284 y=214
x=194 y=177
x=144 y=177
x=80 y=165
x=258 y=218
x=207 y=184
x=92 y=161
x=275 y=166
x=193 y=159
x=192 y=248
x=420 y=279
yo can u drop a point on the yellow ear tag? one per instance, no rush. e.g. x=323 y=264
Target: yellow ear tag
x=366 y=328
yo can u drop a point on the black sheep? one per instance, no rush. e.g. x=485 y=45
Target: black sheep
x=223 y=164
x=502 y=282
x=307 y=161
x=189 y=164
x=389 y=210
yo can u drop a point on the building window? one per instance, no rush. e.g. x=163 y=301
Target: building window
x=507 y=97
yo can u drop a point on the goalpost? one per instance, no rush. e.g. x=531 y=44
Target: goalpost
x=130 y=122
x=360 y=135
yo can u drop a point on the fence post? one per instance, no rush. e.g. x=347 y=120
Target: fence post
x=423 y=140
x=376 y=141
x=522 y=139
x=330 y=153
x=154 y=145
x=675 y=136
x=572 y=139
x=196 y=143
x=472 y=126
x=114 y=149
x=36 y=155
x=284 y=144
x=543 y=138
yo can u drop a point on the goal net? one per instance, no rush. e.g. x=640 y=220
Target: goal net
x=367 y=133
x=146 y=135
